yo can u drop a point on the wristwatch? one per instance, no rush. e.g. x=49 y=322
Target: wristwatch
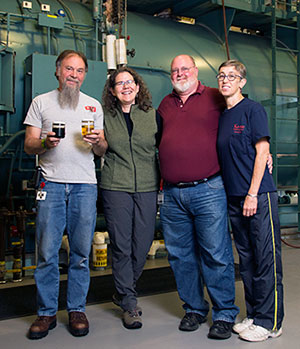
x=252 y=195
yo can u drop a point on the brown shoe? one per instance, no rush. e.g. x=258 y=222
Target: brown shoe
x=78 y=323
x=41 y=326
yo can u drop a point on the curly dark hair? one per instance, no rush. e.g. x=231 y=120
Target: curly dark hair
x=143 y=98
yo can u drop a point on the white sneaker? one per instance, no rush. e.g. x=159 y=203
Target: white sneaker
x=258 y=334
x=241 y=326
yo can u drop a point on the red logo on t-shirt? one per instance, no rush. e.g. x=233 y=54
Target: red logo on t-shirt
x=238 y=128
x=90 y=108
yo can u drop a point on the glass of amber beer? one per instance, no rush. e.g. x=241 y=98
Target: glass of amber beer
x=87 y=126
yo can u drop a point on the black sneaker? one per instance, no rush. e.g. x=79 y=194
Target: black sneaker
x=191 y=322
x=220 y=330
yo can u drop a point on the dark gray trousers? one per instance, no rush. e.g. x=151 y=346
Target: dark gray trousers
x=130 y=220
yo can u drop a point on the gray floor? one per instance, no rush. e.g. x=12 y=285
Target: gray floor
x=161 y=315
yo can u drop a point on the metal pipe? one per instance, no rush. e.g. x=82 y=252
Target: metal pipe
x=7 y=123
x=225 y=30
x=20 y=169
x=11 y=139
x=96 y=9
x=48 y=41
x=96 y=39
x=13 y=158
x=96 y=17
x=18 y=15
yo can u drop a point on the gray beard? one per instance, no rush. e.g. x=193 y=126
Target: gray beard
x=68 y=97
x=182 y=87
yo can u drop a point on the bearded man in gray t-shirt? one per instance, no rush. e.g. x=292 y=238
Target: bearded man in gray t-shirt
x=67 y=192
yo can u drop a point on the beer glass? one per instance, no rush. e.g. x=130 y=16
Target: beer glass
x=87 y=126
x=59 y=128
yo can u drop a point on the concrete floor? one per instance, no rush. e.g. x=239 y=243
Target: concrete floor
x=161 y=316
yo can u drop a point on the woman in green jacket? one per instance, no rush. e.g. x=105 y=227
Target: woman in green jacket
x=129 y=183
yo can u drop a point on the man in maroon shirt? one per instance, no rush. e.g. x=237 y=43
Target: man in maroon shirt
x=194 y=210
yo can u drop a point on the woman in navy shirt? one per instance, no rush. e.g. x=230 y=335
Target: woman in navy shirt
x=243 y=148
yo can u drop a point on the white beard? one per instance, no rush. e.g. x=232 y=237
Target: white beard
x=69 y=97
x=182 y=86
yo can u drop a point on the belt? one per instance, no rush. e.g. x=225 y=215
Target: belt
x=194 y=183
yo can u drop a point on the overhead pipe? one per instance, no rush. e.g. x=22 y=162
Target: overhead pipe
x=96 y=9
x=225 y=30
x=97 y=16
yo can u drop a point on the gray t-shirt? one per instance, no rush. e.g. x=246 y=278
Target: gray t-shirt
x=72 y=161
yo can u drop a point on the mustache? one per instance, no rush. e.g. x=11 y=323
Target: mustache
x=73 y=80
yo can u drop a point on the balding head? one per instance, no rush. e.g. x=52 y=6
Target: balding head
x=183 y=57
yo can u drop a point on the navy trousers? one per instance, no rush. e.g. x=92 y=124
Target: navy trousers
x=257 y=240
x=130 y=219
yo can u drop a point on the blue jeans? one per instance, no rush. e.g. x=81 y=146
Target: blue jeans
x=195 y=228
x=70 y=206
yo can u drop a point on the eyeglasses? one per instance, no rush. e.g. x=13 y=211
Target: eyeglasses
x=123 y=83
x=230 y=77
x=183 y=70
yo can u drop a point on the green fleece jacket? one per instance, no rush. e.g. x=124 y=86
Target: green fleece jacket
x=130 y=163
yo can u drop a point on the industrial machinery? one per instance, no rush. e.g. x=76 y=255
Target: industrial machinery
x=146 y=35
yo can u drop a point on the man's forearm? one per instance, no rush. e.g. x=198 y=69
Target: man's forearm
x=35 y=146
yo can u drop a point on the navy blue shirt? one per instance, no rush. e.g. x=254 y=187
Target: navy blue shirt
x=239 y=130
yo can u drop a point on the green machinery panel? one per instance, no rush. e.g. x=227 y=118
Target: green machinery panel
x=40 y=78
x=6 y=80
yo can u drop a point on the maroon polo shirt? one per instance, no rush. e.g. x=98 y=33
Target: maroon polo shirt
x=187 y=150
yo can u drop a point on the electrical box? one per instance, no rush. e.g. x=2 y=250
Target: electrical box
x=51 y=21
x=27 y=4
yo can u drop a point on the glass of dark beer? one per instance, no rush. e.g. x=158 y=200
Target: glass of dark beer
x=59 y=128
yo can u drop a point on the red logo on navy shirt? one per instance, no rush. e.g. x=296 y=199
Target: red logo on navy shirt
x=238 y=128
x=90 y=108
